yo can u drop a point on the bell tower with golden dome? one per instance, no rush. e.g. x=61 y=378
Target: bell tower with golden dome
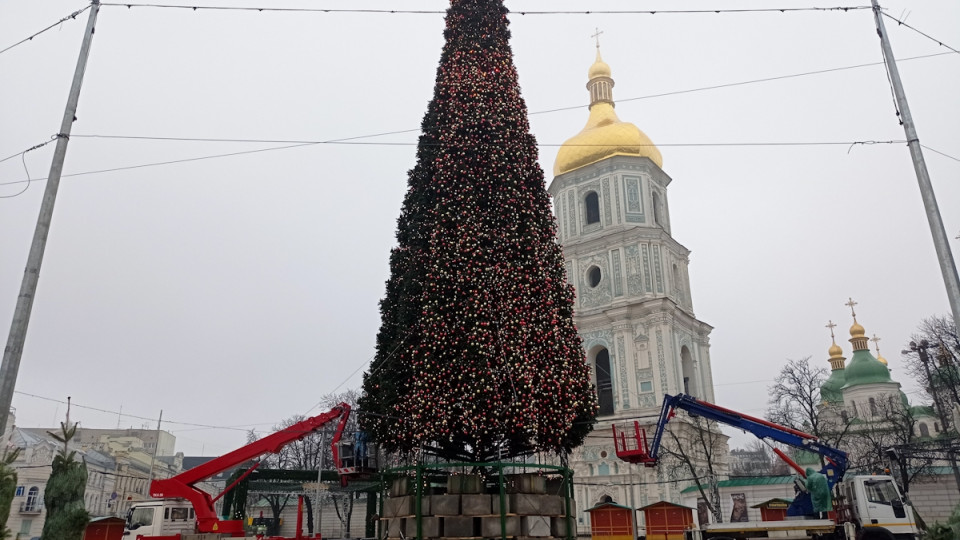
x=633 y=308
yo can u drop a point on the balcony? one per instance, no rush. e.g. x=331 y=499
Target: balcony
x=27 y=508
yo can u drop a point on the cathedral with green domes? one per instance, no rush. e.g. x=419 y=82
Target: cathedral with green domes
x=863 y=394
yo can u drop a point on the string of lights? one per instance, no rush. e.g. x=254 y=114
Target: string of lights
x=518 y=12
x=35 y=34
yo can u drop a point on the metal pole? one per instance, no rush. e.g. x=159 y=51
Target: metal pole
x=323 y=448
x=947 y=265
x=153 y=458
x=633 y=504
x=28 y=288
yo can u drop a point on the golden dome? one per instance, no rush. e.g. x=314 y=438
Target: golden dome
x=857 y=331
x=835 y=351
x=599 y=69
x=605 y=135
x=882 y=360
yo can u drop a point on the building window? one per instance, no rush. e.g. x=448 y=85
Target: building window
x=590 y=468
x=25 y=527
x=603 y=470
x=657 y=218
x=924 y=430
x=594 y=276
x=604 y=382
x=19 y=492
x=843 y=416
x=33 y=499
x=873 y=407
x=936 y=427
x=592 y=202
x=853 y=408
x=646 y=386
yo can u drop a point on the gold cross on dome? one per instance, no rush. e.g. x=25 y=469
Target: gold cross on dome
x=850 y=304
x=596 y=36
x=831 y=325
x=876 y=342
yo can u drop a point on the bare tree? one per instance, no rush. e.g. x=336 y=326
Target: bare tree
x=309 y=454
x=886 y=423
x=796 y=403
x=757 y=459
x=692 y=448
x=937 y=367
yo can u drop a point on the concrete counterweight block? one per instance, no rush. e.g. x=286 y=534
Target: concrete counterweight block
x=465 y=483
x=401 y=486
x=395 y=527
x=558 y=527
x=490 y=526
x=398 y=506
x=552 y=505
x=530 y=483
x=429 y=525
x=444 y=505
x=495 y=505
x=535 y=526
x=476 y=505
x=460 y=527
x=525 y=504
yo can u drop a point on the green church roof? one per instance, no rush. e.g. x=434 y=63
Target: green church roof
x=746 y=481
x=830 y=389
x=865 y=369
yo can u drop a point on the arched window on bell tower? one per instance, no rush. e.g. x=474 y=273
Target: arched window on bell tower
x=604 y=382
x=657 y=213
x=592 y=203
x=690 y=386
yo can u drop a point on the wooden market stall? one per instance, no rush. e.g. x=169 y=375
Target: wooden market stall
x=667 y=521
x=104 y=528
x=611 y=521
x=773 y=510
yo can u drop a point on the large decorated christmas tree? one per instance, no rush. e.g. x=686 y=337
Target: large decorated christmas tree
x=477 y=354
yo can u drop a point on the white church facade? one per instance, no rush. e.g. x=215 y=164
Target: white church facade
x=634 y=308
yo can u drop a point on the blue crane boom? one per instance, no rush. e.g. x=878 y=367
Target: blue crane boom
x=836 y=459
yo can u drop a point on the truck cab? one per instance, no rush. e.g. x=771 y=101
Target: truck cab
x=878 y=508
x=159 y=518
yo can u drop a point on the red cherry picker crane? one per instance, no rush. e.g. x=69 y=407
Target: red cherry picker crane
x=156 y=520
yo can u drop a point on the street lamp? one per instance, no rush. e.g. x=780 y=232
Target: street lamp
x=921 y=350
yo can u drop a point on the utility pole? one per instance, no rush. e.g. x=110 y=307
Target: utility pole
x=28 y=288
x=319 y=510
x=947 y=265
x=153 y=458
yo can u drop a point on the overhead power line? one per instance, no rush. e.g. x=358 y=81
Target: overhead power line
x=35 y=34
x=519 y=12
x=313 y=143
x=546 y=111
x=97 y=409
x=931 y=38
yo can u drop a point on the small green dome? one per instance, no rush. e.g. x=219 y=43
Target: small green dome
x=830 y=389
x=865 y=369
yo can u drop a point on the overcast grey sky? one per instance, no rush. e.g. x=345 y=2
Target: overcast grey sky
x=236 y=291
